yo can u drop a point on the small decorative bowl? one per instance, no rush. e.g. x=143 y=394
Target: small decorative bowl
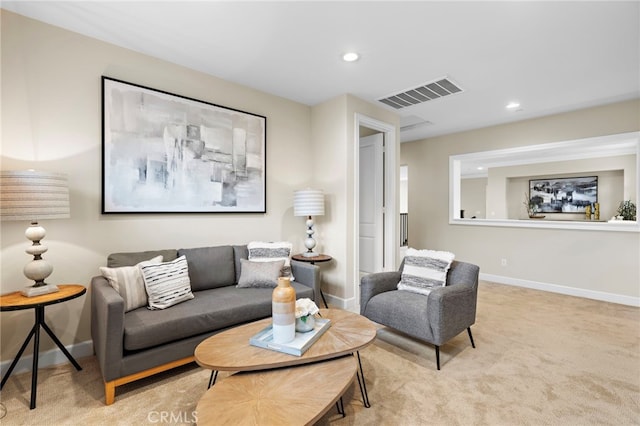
x=305 y=324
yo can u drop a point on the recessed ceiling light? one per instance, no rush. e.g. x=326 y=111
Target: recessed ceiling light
x=350 y=57
x=513 y=105
x=480 y=168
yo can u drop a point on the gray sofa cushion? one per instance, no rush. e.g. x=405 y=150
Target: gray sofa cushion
x=117 y=260
x=213 y=309
x=402 y=310
x=210 y=267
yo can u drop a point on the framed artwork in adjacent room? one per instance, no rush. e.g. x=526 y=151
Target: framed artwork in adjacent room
x=165 y=153
x=563 y=195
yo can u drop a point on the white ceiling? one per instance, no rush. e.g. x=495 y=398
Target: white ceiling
x=549 y=56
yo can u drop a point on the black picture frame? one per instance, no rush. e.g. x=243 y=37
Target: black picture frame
x=167 y=153
x=563 y=195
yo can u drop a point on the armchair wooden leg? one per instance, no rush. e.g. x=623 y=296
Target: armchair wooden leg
x=473 y=345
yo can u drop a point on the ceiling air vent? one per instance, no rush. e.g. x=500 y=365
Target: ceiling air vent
x=426 y=92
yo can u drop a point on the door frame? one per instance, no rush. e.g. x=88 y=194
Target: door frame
x=390 y=197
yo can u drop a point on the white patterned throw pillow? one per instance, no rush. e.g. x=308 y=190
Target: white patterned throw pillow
x=425 y=269
x=128 y=282
x=167 y=283
x=269 y=252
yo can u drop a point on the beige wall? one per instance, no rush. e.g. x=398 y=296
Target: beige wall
x=51 y=120
x=590 y=261
x=329 y=160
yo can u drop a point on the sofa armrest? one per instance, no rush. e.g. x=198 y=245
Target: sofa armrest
x=451 y=310
x=377 y=283
x=307 y=274
x=107 y=327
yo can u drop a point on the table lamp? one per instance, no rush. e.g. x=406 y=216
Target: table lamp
x=308 y=202
x=34 y=195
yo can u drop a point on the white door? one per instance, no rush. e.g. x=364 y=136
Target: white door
x=371 y=204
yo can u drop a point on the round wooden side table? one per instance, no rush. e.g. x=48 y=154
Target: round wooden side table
x=313 y=260
x=15 y=302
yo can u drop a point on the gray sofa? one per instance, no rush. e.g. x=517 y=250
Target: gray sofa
x=142 y=342
x=443 y=314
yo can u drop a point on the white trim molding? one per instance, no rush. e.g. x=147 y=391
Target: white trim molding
x=342 y=303
x=614 y=226
x=561 y=289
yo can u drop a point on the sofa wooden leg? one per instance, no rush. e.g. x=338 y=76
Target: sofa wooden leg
x=109 y=392
x=438 y=356
x=473 y=345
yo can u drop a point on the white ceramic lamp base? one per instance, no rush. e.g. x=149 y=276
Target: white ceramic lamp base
x=309 y=242
x=38 y=269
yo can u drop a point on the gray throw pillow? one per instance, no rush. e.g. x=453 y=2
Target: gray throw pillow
x=268 y=252
x=259 y=274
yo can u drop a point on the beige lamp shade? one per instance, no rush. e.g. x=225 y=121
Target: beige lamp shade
x=308 y=202
x=33 y=195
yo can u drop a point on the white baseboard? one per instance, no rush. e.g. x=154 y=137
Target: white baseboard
x=347 y=304
x=49 y=358
x=570 y=291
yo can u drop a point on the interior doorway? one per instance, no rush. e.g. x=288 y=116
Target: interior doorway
x=386 y=177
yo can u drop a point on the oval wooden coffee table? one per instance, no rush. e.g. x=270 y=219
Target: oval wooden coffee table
x=298 y=395
x=230 y=350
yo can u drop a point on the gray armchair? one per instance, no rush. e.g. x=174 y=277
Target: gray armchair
x=436 y=318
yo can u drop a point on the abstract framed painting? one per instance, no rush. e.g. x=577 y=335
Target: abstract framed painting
x=563 y=195
x=166 y=153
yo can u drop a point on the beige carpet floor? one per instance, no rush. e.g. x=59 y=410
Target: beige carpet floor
x=540 y=359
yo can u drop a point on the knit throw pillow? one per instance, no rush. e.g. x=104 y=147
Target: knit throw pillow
x=167 y=283
x=128 y=282
x=269 y=252
x=424 y=270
